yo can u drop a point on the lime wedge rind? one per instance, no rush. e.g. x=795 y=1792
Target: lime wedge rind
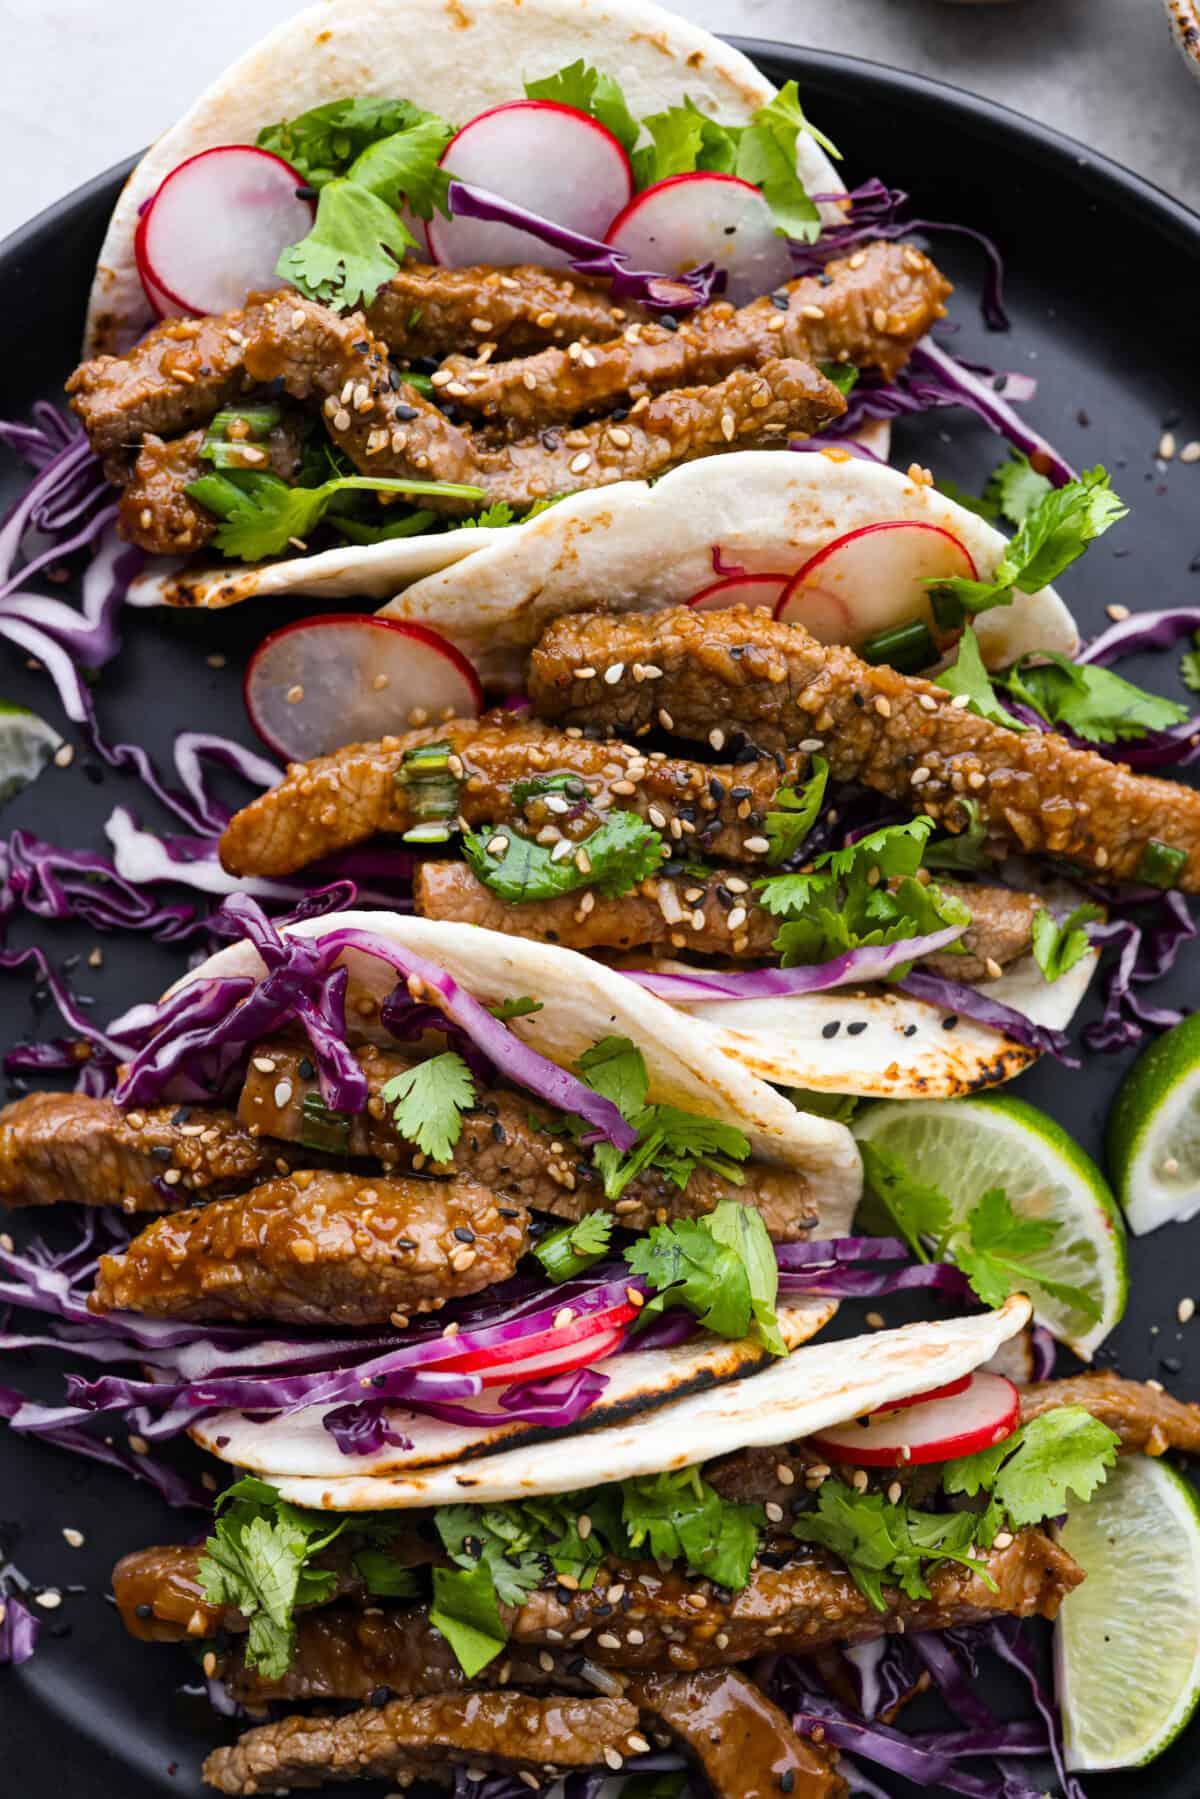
x=1153 y=1139
x=27 y=744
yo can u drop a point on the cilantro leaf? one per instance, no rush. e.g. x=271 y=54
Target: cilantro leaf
x=354 y=248
x=619 y=853
x=1058 y=944
x=918 y=1211
x=616 y=1068
x=684 y=139
x=966 y=674
x=992 y=1251
x=679 y=1516
x=403 y=169
x=1016 y=489
x=1189 y=666
x=385 y=1576
x=325 y=142
x=1031 y=1475
x=515 y=1008
x=688 y=1267
x=587 y=90
x=839 y=1106
x=742 y=1230
x=794 y=813
x=464 y=1609
x=261 y=515
x=428 y=1101
x=967 y=850
x=567 y=1252
x=675 y=1143
x=500 y=514
x=1053 y=533
x=881 y=1542
x=1093 y=702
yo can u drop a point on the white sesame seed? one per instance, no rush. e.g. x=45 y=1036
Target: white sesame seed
x=961 y=701
x=139 y=1445
x=926 y=702
x=73 y=1537
x=294 y=694
x=613 y=673
x=859 y=1480
x=716 y=738
x=563 y=1318
x=919 y=776
x=895 y=1493
x=757 y=846
x=580 y=462
x=64 y=755
x=283 y=1093
x=1003 y=1539
x=1169 y=1165
x=774 y=1512
x=1185 y=1311
x=620 y=437
x=736 y=918
x=612 y=1758
x=50 y=1600
x=665 y=719
x=1190 y=451
x=561 y=850
x=1166 y=446
x=341 y=420
x=1117 y=613
x=498 y=846
x=994 y=970
x=875 y=1320
x=810 y=745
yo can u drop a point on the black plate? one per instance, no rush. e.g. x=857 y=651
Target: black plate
x=1104 y=291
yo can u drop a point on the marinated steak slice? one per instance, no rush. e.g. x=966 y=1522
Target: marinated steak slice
x=411 y=1738
x=802 y=1607
x=428 y=311
x=510 y=1145
x=1143 y=1417
x=1000 y=931
x=868 y=309
x=176 y=378
x=902 y=736
x=70 y=1147
x=339 y=800
x=745 y=1746
x=318 y=1249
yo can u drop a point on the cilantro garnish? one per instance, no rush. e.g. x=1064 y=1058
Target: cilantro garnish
x=500 y=513
x=967 y=674
x=515 y=1008
x=794 y=813
x=619 y=853
x=881 y=1541
x=681 y=1518
x=1092 y=702
x=464 y=1609
x=261 y=515
x=1053 y=533
x=353 y=249
x=587 y=90
x=324 y=143
x=967 y=850
x=428 y=1101
x=865 y=894
x=1189 y=666
x=1030 y=1475
x=567 y=1252
x=1016 y=488
x=722 y=1268
x=1058 y=944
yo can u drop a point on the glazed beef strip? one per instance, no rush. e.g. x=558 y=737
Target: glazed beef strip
x=1143 y=1417
x=895 y=733
x=868 y=309
x=714 y=914
x=335 y=1249
x=429 y=311
x=425 y=1738
x=744 y=1744
x=336 y=801
x=510 y=1145
x=70 y=1147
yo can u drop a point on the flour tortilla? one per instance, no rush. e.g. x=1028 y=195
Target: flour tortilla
x=633 y=547
x=819 y=1386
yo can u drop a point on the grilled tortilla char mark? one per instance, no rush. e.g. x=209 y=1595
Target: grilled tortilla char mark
x=424 y=1738
x=71 y=1147
x=868 y=310
x=156 y=509
x=429 y=311
x=806 y=1605
x=336 y=801
x=1143 y=1417
x=318 y=1249
x=709 y=915
x=511 y=1144
x=895 y=733
x=743 y=1742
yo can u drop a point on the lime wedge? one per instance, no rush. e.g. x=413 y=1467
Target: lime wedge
x=27 y=743
x=1153 y=1141
x=1127 y=1642
x=965 y=1146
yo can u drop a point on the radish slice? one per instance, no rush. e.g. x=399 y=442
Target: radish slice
x=162 y=303
x=690 y=219
x=947 y=1392
x=543 y=156
x=871 y=579
x=762 y=591
x=986 y=1412
x=217 y=226
x=352 y=678
x=560 y=1360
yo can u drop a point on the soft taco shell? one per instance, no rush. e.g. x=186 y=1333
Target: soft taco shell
x=820 y=1385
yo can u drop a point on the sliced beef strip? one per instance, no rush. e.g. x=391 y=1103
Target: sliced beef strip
x=868 y=309
x=336 y=801
x=743 y=1743
x=895 y=733
x=177 y=377
x=429 y=311
x=511 y=1146
x=426 y=1738
x=1143 y=1417
x=73 y=1148
x=324 y=1248
x=807 y=1604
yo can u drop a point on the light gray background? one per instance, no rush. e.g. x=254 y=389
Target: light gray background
x=83 y=83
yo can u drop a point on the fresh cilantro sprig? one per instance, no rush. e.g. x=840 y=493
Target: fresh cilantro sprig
x=680 y=1517
x=261 y=515
x=428 y=1101
x=1093 y=702
x=1058 y=944
x=1053 y=533
x=589 y=91
x=967 y=674
x=569 y=1251
x=885 y=1542
x=1189 y=666
x=991 y=1243
x=1012 y=491
x=966 y=850
x=620 y=852
x=1033 y=1474
x=325 y=143
x=794 y=813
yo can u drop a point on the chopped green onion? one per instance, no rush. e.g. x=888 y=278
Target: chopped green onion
x=224 y=451
x=430 y=833
x=357 y=532
x=432 y=792
x=322 y=1129
x=1160 y=865
x=422 y=383
x=567 y=1252
x=947 y=609
x=904 y=647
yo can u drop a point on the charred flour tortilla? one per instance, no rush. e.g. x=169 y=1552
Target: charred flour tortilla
x=816 y=1387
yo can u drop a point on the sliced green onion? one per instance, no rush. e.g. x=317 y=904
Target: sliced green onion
x=432 y=792
x=904 y=647
x=357 y=532
x=422 y=383
x=430 y=833
x=1160 y=865
x=842 y=374
x=322 y=1129
x=561 y=1259
x=224 y=451
x=947 y=609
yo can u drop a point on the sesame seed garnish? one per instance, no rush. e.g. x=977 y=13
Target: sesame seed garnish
x=665 y=719
x=1003 y=1539
x=895 y=1493
x=1166 y=446
x=926 y=702
x=498 y=847
x=784 y=1475
x=994 y=970
x=976 y=779
x=50 y=1600
x=875 y=1320
x=1117 y=613
x=563 y=1318
x=716 y=738
x=810 y=745
x=636 y=1297
x=859 y=1480
x=618 y=435
x=736 y=918
x=728 y=426
x=920 y=776
x=294 y=694
x=1190 y=451
x=583 y=1527
x=857 y=260
x=757 y=846
x=613 y=1759
x=774 y=1512
x=64 y=755
x=613 y=673
x=341 y=420
x=139 y=1445
x=1185 y=1311
x=74 y=1537
x=561 y=850
x=581 y=462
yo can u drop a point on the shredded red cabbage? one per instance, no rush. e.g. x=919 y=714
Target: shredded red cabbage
x=874 y=962
x=657 y=292
x=18 y=1629
x=960 y=1000
x=363 y=1429
x=1142 y=631
x=175 y=1488
x=831 y=440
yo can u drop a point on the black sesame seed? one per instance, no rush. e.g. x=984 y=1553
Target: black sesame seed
x=787 y=1780
x=619 y=412
x=716 y=789
x=910 y=1030
x=668 y=321
x=363 y=346
x=1171 y=1363
x=401 y=411
x=950 y=1021
x=380 y=1697
x=161 y=1152
x=857 y=1028
x=859 y=699
x=144 y=1611
x=832 y=1028
x=780 y=301
x=741 y=793
x=508 y=1212
x=824 y=280
x=725 y=898
x=498 y=1132
x=406 y=1243
x=306 y=1070
x=464 y=1233
x=181 y=1116
x=549 y=440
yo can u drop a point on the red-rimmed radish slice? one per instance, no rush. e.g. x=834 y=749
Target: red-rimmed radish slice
x=351 y=678
x=872 y=578
x=947 y=1392
x=217 y=226
x=548 y=158
x=984 y=1413
x=689 y=219
x=162 y=303
x=740 y=590
x=571 y=1345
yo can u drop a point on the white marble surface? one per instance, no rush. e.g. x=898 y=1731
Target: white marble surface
x=82 y=84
